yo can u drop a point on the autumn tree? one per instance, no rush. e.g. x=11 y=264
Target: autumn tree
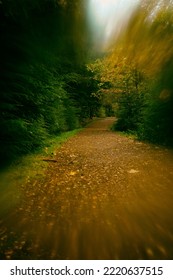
x=138 y=68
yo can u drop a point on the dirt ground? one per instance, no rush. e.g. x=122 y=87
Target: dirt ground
x=106 y=197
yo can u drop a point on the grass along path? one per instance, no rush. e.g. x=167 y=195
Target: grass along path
x=29 y=167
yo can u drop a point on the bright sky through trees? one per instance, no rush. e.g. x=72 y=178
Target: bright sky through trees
x=108 y=17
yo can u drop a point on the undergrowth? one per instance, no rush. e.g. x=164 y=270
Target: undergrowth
x=28 y=168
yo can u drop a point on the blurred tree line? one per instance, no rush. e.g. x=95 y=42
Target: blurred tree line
x=139 y=71
x=45 y=85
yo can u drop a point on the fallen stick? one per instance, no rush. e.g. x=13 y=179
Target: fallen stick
x=49 y=159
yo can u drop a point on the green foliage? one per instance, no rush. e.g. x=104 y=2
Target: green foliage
x=129 y=112
x=20 y=136
x=101 y=112
x=82 y=88
x=157 y=122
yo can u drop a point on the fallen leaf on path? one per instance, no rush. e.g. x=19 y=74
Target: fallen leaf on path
x=72 y=173
x=133 y=171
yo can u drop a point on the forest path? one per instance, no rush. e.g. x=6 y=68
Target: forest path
x=106 y=197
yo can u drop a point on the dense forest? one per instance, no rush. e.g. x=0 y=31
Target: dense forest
x=49 y=84
x=45 y=85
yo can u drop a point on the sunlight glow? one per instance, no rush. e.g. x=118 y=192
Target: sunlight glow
x=108 y=17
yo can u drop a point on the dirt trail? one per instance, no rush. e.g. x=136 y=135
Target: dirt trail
x=106 y=197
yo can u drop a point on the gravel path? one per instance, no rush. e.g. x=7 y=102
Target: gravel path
x=106 y=197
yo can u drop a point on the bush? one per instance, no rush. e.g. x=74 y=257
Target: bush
x=129 y=112
x=157 y=124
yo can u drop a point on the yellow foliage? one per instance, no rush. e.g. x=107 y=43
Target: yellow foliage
x=148 y=40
